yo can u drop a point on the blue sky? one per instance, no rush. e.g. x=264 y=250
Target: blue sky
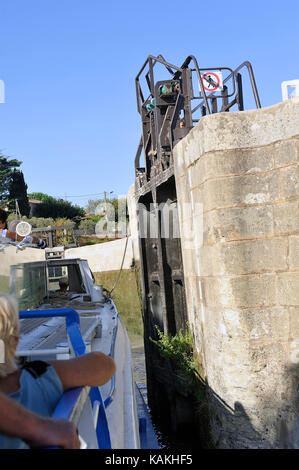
x=69 y=68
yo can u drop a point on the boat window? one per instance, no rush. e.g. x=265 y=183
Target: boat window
x=29 y=284
x=71 y=272
x=55 y=271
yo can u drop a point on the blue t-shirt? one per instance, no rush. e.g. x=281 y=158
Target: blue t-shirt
x=40 y=394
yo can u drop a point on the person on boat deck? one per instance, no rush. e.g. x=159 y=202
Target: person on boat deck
x=33 y=429
x=4 y=232
x=63 y=284
x=39 y=385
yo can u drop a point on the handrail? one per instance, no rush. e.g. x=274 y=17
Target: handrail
x=71 y=404
x=252 y=80
x=4 y=242
x=67 y=402
x=111 y=352
x=169 y=67
x=160 y=59
x=204 y=96
x=72 y=324
x=155 y=129
x=246 y=64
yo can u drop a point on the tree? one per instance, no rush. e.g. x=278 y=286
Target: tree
x=86 y=225
x=114 y=209
x=63 y=236
x=18 y=191
x=7 y=168
x=56 y=208
x=41 y=197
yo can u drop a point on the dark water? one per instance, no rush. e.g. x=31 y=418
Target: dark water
x=139 y=371
x=164 y=439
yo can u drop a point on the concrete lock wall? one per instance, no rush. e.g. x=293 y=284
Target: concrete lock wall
x=238 y=195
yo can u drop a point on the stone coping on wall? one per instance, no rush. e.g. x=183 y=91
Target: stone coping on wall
x=238 y=130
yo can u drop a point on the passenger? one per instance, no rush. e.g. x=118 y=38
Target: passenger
x=36 y=431
x=4 y=232
x=38 y=385
x=63 y=284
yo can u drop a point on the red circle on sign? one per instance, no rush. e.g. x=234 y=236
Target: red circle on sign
x=217 y=79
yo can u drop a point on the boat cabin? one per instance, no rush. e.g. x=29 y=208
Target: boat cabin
x=34 y=283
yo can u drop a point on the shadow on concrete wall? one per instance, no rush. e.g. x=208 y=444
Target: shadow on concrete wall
x=189 y=414
x=278 y=415
x=197 y=418
x=284 y=422
x=231 y=428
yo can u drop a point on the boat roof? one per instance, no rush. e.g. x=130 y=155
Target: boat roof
x=57 y=261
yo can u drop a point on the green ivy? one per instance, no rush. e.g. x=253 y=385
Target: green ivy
x=178 y=348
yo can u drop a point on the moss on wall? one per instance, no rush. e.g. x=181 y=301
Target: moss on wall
x=127 y=300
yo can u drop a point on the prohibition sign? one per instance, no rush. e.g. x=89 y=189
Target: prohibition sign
x=211 y=81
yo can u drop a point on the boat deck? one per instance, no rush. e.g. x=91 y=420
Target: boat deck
x=101 y=327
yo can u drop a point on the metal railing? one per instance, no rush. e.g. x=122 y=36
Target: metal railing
x=160 y=110
x=57 y=235
x=237 y=93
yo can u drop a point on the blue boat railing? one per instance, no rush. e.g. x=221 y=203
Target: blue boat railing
x=71 y=398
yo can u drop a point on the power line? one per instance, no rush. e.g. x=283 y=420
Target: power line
x=88 y=195
x=82 y=195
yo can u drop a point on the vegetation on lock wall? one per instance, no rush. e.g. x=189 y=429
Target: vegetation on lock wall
x=187 y=371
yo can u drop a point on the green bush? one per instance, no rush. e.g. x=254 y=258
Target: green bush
x=178 y=348
x=63 y=221
x=87 y=224
x=40 y=222
x=56 y=208
x=35 y=222
x=114 y=209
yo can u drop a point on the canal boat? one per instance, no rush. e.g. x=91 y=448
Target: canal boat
x=60 y=325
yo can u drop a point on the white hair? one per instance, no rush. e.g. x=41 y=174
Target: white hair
x=9 y=332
